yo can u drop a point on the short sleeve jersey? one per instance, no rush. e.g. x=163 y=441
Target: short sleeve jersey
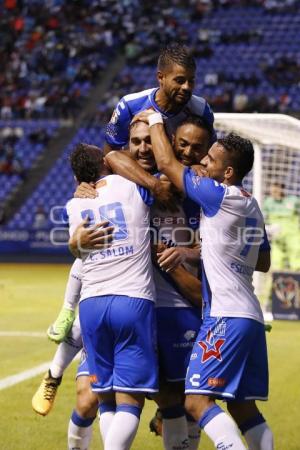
x=173 y=229
x=125 y=267
x=117 y=130
x=232 y=234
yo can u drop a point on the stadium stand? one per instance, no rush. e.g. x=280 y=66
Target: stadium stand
x=21 y=143
x=247 y=52
x=56 y=52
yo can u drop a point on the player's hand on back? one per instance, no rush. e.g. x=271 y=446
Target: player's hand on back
x=86 y=190
x=95 y=237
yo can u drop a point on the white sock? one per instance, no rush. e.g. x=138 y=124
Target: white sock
x=73 y=288
x=224 y=433
x=66 y=351
x=105 y=421
x=79 y=437
x=175 y=433
x=194 y=434
x=259 y=437
x=122 y=431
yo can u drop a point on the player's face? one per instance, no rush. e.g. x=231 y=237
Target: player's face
x=177 y=83
x=140 y=146
x=191 y=144
x=216 y=163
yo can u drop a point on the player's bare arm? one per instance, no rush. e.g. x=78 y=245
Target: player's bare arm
x=264 y=261
x=188 y=285
x=172 y=257
x=123 y=164
x=86 y=190
x=162 y=149
x=96 y=237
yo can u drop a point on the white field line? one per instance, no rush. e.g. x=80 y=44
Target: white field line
x=22 y=376
x=38 y=334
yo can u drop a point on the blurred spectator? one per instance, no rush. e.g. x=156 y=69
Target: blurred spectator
x=282 y=214
x=40 y=218
x=11 y=164
x=52 y=52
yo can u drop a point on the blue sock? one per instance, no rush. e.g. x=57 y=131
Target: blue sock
x=209 y=414
x=81 y=421
x=132 y=409
x=107 y=407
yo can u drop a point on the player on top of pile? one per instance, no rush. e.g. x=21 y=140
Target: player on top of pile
x=174 y=98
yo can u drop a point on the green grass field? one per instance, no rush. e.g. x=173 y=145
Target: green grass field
x=31 y=296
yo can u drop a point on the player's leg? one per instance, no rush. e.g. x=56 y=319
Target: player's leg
x=253 y=386
x=135 y=366
x=252 y=424
x=83 y=416
x=174 y=348
x=125 y=422
x=174 y=423
x=43 y=399
x=216 y=367
x=99 y=343
x=107 y=410
x=58 y=331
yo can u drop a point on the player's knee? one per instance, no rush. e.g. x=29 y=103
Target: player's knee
x=242 y=411
x=195 y=405
x=87 y=402
x=168 y=397
x=191 y=407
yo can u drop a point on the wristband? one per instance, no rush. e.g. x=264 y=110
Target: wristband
x=155 y=118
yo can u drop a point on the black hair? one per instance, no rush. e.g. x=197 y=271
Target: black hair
x=86 y=162
x=176 y=53
x=241 y=153
x=198 y=122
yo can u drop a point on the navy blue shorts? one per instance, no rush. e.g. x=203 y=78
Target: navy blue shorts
x=177 y=329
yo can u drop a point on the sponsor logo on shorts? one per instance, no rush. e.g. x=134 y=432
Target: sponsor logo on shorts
x=193 y=380
x=193 y=356
x=211 y=347
x=93 y=379
x=216 y=382
x=220 y=328
x=189 y=334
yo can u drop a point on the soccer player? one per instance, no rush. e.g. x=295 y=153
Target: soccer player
x=173 y=98
x=229 y=358
x=177 y=321
x=174 y=343
x=116 y=307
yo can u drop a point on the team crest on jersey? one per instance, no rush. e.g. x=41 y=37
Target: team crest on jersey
x=196 y=180
x=114 y=118
x=211 y=347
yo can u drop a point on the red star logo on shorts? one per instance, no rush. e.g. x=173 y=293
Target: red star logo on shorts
x=211 y=348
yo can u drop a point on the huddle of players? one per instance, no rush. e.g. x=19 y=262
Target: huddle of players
x=120 y=385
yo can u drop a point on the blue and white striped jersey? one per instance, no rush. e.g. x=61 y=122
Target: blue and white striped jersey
x=232 y=234
x=117 y=130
